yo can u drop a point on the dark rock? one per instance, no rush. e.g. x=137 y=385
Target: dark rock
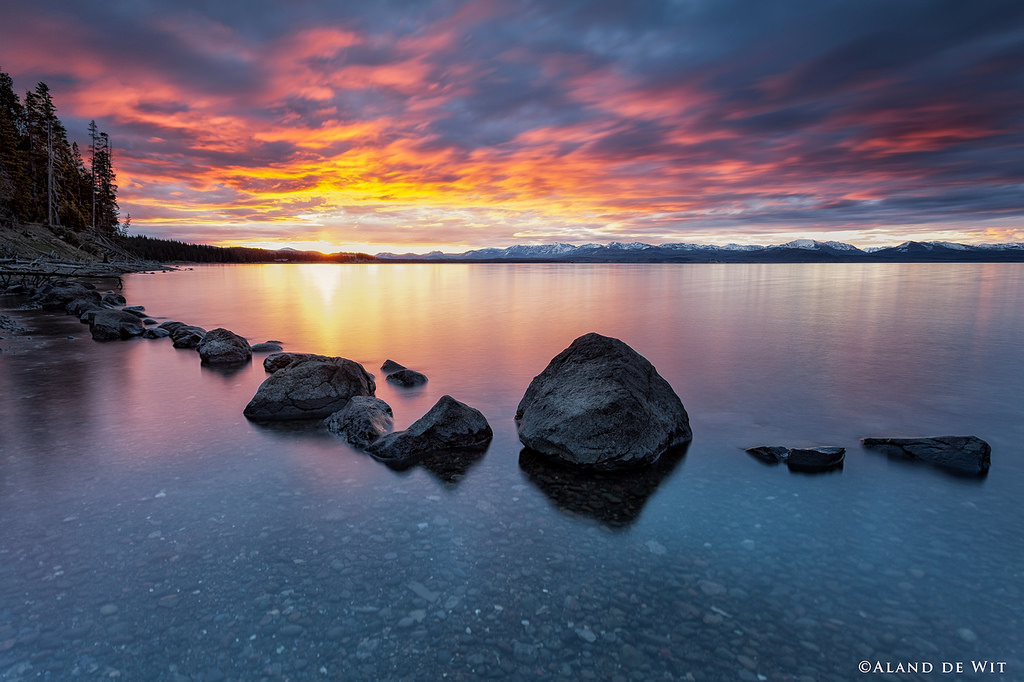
x=801 y=459
x=137 y=313
x=155 y=333
x=187 y=336
x=277 y=361
x=448 y=425
x=601 y=404
x=113 y=298
x=135 y=308
x=57 y=295
x=960 y=454
x=310 y=389
x=111 y=325
x=407 y=377
x=363 y=420
x=149 y=321
x=266 y=347
x=391 y=366
x=223 y=347
x=769 y=454
x=815 y=459
x=171 y=325
x=80 y=306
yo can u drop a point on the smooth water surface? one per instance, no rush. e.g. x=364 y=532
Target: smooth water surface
x=148 y=531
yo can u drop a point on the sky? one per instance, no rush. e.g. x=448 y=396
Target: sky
x=414 y=125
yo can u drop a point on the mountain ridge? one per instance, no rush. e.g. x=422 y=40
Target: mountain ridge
x=799 y=250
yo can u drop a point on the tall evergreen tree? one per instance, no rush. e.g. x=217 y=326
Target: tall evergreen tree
x=15 y=197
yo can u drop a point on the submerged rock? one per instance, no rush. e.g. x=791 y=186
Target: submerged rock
x=407 y=378
x=448 y=425
x=111 y=325
x=276 y=361
x=311 y=389
x=961 y=454
x=815 y=459
x=363 y=420
x=801 y=459
x=391 y=366
x=769 y=454
x=224 y=347
x=155 y=333
x=187 y=336
x=267 y=347
x=601 y=404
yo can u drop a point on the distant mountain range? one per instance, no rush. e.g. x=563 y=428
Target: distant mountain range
x=799 y=251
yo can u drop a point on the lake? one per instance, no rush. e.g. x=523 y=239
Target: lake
x=148 y=531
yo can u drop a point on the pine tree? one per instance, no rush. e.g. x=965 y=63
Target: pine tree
x=104 y=184
x=15 y=199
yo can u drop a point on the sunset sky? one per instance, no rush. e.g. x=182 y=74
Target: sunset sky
x=410 y=125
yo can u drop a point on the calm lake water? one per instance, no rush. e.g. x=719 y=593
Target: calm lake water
x=148 y=531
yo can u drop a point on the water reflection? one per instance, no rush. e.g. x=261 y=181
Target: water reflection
x=615 y=499
x=447 y=466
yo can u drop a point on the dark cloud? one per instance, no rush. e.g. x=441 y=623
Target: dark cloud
x=788 y=112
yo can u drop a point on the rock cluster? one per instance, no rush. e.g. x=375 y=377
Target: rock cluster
x=598 y=405
x=401 y=375
x=801 y=459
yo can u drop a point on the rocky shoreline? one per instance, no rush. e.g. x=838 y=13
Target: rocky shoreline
x=599 y=406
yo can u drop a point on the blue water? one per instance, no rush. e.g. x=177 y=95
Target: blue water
x=149 y=532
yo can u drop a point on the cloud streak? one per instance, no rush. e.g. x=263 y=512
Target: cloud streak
x=441 y=124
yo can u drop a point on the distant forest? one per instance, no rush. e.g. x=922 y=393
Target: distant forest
x=44 y=178
x=167 y=250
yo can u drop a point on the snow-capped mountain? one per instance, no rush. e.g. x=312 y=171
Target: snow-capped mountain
x=797 y=251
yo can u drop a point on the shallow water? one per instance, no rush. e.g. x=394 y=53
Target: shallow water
x=149 y=532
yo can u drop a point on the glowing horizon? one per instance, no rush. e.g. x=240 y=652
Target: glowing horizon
x=490 y=123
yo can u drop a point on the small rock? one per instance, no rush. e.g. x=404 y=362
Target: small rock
x=363 y=420
x=407 y=378
x=448 y=425
x=266 y=347
x=111 y=325
x=391 y=366
x=312 y=388
x=223 y=347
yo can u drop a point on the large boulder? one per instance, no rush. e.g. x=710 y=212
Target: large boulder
x=391 y=366
x=111 y=325
x=363 y=420
x=312 y=389
x=223 y=347
x=276 y=361
x=602 y=405
x=448 y=425
x=968 y=455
